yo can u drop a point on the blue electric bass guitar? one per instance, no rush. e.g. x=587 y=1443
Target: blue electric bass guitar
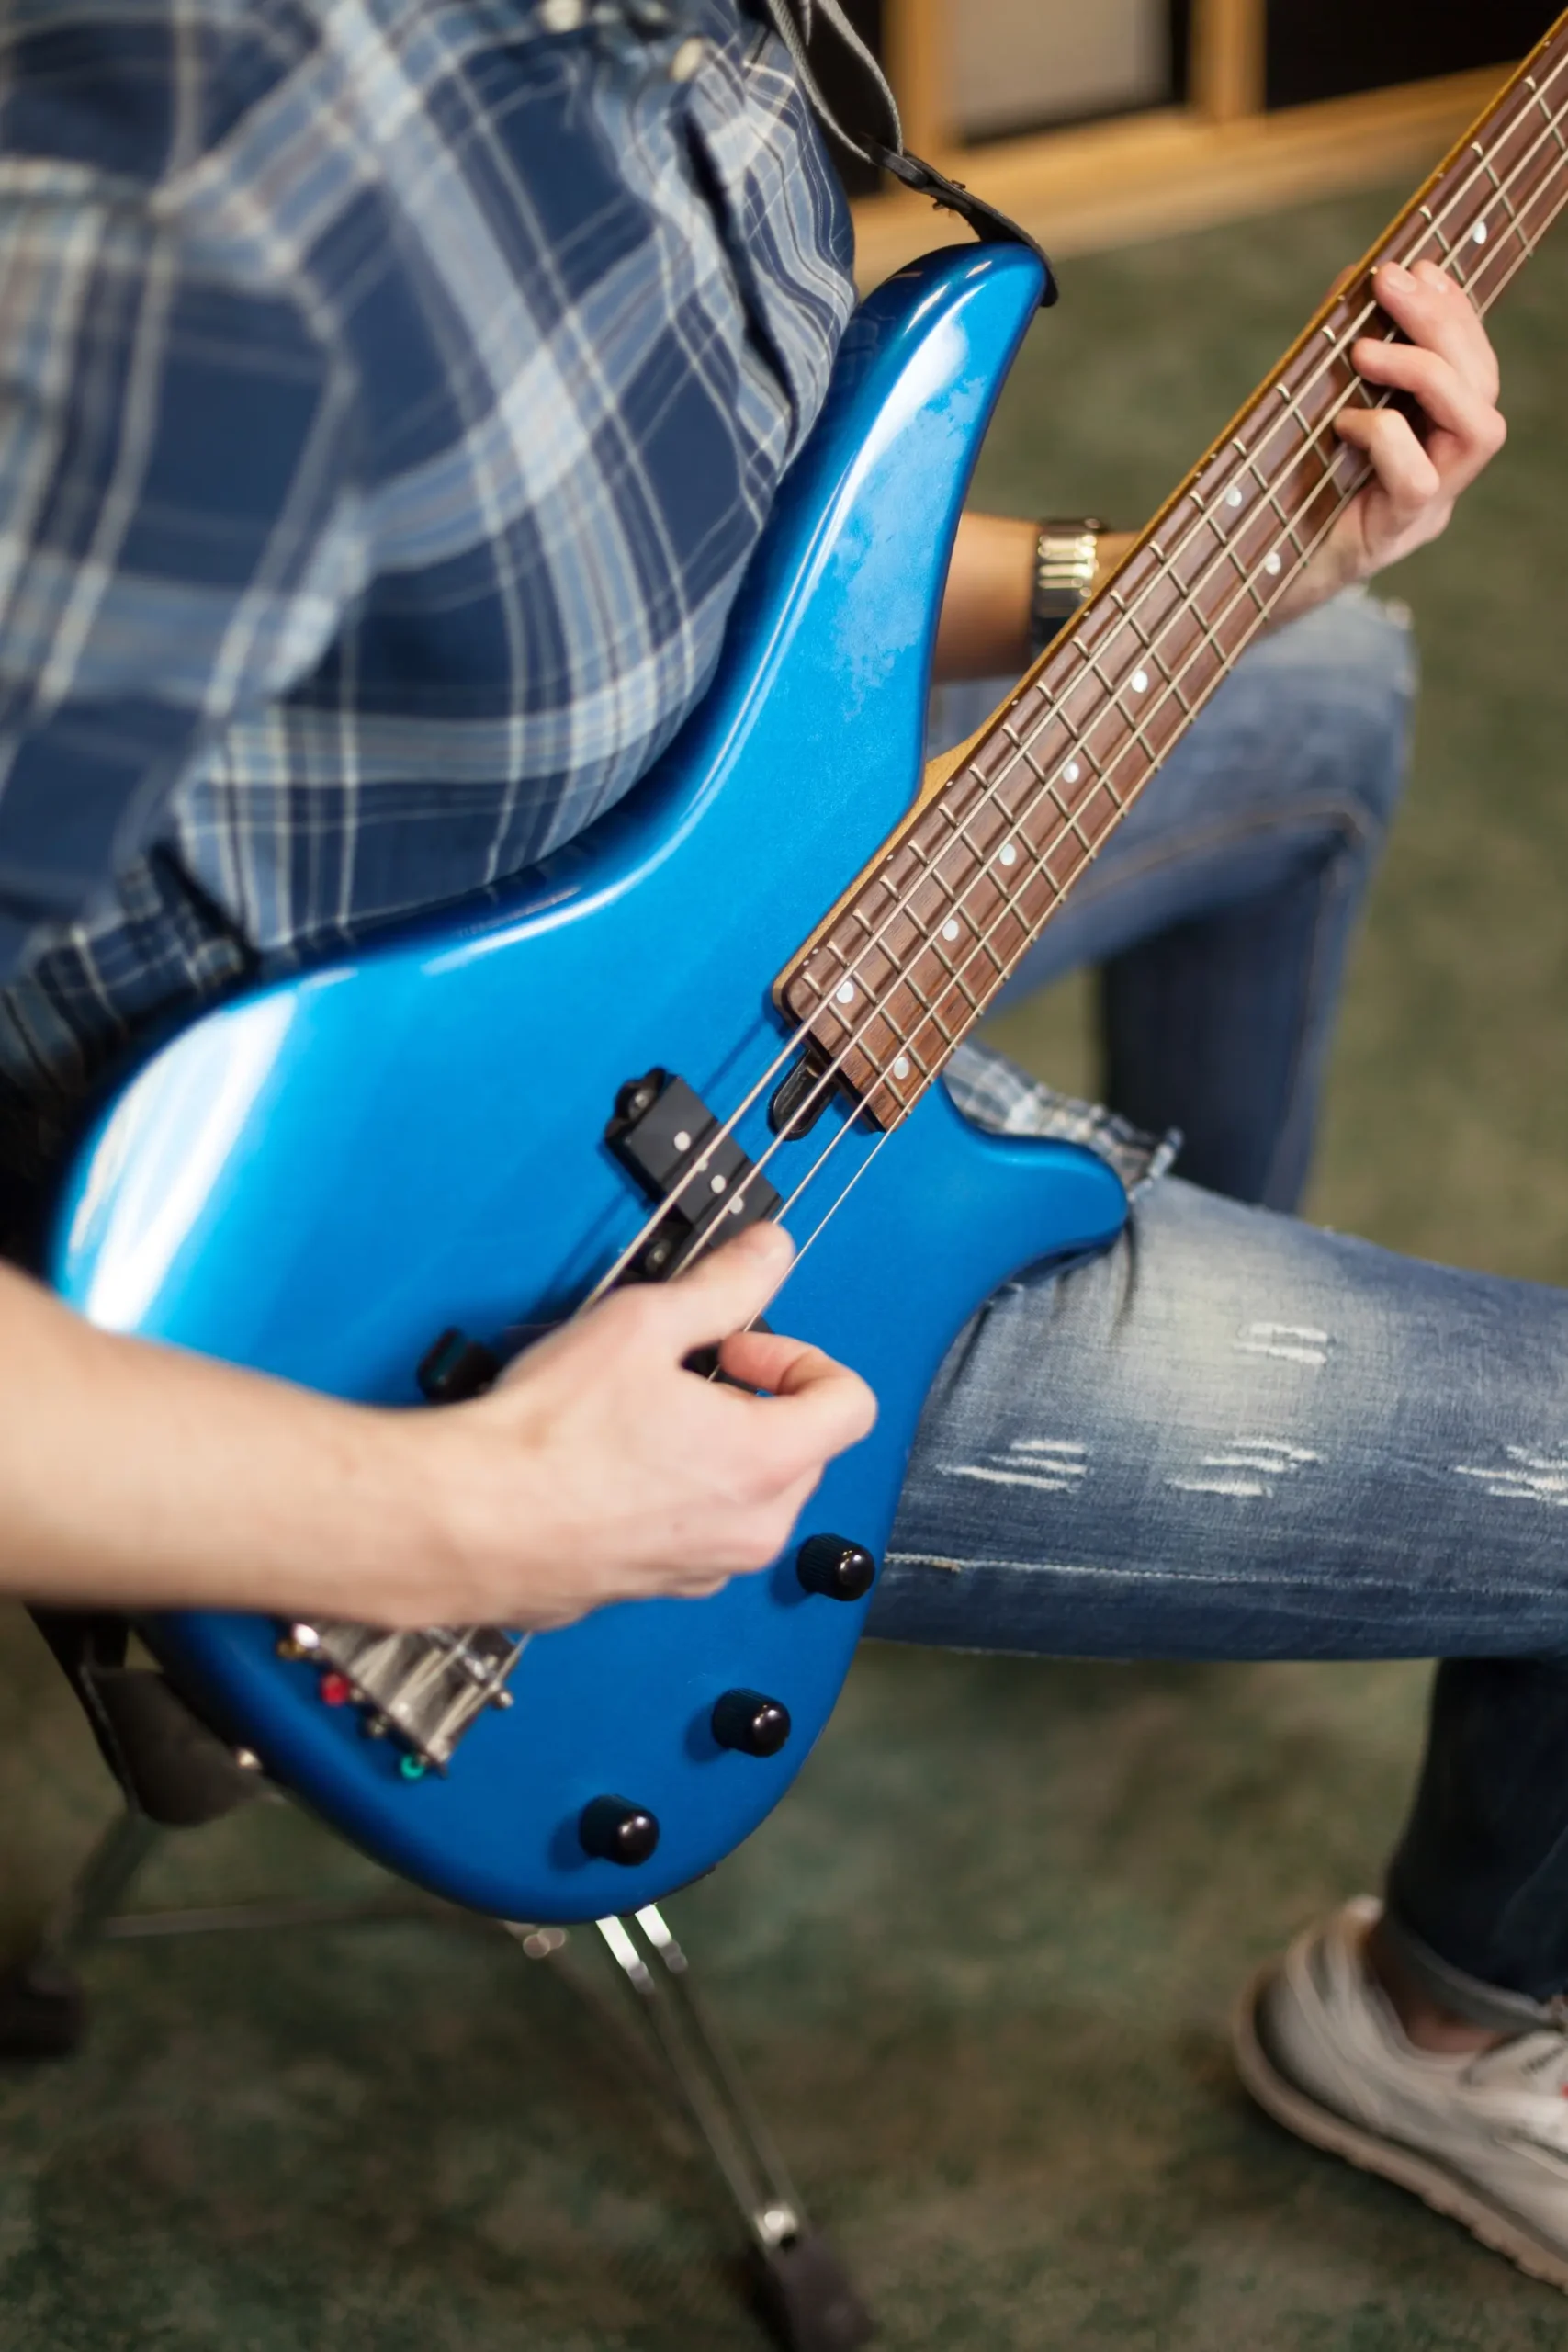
x=732 y=999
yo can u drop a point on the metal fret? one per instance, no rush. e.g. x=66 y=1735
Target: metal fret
x=1171 y=679
x=927 y=1010
x=1137 y=734
x=1507 y=203
x=1069 y=818
x=937 y=946
x=1553 y=121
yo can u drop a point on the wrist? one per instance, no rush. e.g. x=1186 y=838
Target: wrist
x=448 y=1537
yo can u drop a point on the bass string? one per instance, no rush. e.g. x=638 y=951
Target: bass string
x=803 y=1032
x=857 y=1033
x=1504 y=281
x=1430 y=233
x=1151 y=644
x=793 y=1041
x=815 y=1169
x=1344 y=498
x=930 y=1014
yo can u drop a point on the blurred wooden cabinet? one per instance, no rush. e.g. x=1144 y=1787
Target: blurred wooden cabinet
x=1096 y=120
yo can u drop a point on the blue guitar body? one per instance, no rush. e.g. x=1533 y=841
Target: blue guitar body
x=318 y=1178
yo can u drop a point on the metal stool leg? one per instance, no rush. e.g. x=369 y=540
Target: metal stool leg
x=43 y=2011
x=805 y=2289
x=805 y=2292
x=42 y=2007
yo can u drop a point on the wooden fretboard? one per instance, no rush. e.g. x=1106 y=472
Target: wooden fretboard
x=917 y=952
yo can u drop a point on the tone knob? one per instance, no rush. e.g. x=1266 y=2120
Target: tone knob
x=832 y=1564
x=745 y=1720
x=614 y=1831
x=456 y=1368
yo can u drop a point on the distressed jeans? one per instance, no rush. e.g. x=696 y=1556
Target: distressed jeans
x=1234 y=1436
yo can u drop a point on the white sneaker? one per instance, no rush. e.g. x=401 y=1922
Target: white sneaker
x=1484 y=2138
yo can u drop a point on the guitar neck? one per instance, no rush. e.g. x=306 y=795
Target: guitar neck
x=918 y=950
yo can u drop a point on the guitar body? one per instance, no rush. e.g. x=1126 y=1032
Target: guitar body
x=319 y=1177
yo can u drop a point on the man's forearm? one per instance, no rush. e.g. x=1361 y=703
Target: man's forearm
x=139 y=1476
x=597 y=1469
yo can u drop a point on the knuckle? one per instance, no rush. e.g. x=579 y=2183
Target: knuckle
x=750 y=1480
x=628 y=1314
x=756 y=1545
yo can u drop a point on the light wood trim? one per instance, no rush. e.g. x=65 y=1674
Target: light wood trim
x=1227 y=66
x=1108 y=184
x=916 y=35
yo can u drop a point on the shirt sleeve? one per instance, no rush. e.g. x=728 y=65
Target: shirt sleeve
x=178 y=530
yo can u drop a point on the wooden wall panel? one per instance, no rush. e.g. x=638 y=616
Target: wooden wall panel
x=1218 y=155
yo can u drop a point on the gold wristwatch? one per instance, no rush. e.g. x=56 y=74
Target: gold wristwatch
x=1066 y=556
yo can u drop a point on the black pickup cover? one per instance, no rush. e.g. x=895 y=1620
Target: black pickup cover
x=659 y=1134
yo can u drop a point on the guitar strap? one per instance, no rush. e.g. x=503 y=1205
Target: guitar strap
x=793 y=21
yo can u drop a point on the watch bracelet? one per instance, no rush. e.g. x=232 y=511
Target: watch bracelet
x=1066 y=556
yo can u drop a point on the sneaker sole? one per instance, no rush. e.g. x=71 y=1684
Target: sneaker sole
x=1445 y=2192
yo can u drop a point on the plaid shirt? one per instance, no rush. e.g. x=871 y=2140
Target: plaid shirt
x=390 y=397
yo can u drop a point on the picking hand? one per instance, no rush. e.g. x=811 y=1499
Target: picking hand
x=600 y=1470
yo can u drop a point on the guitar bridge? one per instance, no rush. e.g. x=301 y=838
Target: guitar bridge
x=425 y=1687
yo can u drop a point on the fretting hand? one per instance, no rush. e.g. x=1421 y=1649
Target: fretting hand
x=1449 y=367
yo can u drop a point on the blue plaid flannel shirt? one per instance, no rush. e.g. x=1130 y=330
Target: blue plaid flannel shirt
x=390 y=398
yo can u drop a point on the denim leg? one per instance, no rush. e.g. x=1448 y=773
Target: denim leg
x=1232 y=1436
x=1221 y=908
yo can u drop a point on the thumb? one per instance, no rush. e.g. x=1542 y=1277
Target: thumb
x=727 y=1286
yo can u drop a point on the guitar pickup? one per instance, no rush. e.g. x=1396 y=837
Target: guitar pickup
x=661 y=1133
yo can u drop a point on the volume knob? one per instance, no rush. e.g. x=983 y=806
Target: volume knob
x=833 y=1566
x=614 y=1831
x=746 y=1721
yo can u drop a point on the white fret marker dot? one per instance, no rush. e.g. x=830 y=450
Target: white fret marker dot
x=1479 y=232
x=847 y=993
x=1071 y=773
x=1233 y=498
x=950 y=931
x=716 y=1183
x=682 y=1141
x=1140 y=681
x=901 y=1067
x=1009 y=855
x=1270 y=563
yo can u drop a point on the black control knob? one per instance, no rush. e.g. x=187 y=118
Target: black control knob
x=614 y=1831
x=456 y=1368
x=745 y=1720
x=832 y=1564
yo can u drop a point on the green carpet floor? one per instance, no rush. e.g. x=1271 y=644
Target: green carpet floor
x=979 y=1964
